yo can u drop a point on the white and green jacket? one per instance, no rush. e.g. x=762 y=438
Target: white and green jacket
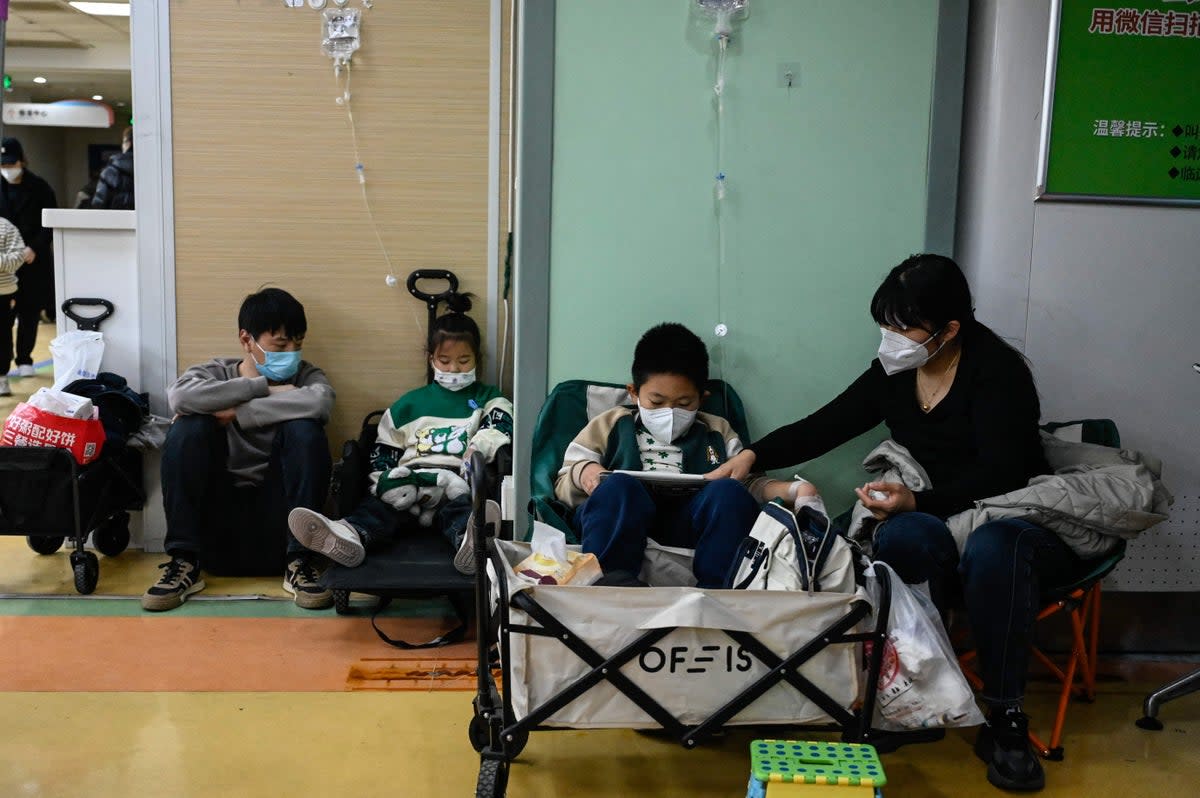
x=432 y=427
x=12 y=257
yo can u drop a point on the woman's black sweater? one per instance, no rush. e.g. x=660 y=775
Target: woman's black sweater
x=981 y=440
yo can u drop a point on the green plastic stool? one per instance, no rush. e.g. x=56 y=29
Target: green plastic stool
x=822 y=764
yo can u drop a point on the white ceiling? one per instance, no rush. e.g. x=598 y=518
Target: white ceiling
x=49 y=38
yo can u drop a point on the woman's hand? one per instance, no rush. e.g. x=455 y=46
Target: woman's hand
x=889 y=499
x=736 y=467
x=589 y=477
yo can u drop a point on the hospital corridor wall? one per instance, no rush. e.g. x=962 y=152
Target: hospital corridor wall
x=827 y=186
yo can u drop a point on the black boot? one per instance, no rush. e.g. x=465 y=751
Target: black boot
x=1003 y=743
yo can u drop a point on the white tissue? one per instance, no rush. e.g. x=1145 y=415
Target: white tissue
x=60 y=403
x=549 y=542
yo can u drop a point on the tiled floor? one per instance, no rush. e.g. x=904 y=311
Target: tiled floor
x=258 y=698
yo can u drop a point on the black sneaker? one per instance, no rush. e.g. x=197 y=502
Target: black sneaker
x=180 y=579
x=1003 y=743
x=300 y=580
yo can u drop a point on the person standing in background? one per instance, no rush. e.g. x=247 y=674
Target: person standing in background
x=12 y=257
x=23 y=197
x=114 y=189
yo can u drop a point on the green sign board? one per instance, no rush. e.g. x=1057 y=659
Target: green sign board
x=1122 y=121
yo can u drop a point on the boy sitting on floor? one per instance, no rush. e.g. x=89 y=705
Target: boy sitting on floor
x=666 y=432
x=246 y=447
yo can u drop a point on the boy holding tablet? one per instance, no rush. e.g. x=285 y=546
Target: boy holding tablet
x=664 y=433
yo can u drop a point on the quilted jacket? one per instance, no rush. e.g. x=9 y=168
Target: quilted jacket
x=1095 y=496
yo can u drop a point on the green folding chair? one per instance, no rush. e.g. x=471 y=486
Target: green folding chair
x=568 y=409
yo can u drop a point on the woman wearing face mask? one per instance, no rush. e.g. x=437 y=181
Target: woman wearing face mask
x=23 y=197
x=423 y=441
x=964 y=404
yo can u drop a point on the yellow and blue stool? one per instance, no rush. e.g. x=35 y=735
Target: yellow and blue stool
x=781 y=768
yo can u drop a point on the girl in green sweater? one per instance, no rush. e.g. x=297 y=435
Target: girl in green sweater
x=424 y=439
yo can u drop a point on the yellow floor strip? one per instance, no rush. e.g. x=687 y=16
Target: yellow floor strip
x=26 y=573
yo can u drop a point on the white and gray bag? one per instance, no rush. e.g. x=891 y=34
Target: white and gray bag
x=799 y=550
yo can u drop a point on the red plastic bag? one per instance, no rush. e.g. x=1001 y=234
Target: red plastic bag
x=32 y=426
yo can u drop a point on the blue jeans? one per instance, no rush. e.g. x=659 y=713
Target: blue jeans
x=1005 y=568
x=621 y=514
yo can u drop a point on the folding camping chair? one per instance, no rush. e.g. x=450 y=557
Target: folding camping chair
x=1080 y=601
x=568 y=409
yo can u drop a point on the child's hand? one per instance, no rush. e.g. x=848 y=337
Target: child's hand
x=589 y=477
x=466 y=461
x=736 y=467
x=30 y=255
x=885 y=499
x=801 y=487
x=225 y=417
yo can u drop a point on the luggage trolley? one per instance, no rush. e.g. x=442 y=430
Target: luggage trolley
x=739 y=678
x=47 y=497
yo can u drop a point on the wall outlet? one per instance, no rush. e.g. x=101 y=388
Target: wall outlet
x=787 y=75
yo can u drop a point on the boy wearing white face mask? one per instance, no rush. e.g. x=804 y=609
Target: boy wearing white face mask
x=664 y=432
x=423 y=440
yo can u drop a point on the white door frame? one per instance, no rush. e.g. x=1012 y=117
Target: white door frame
x=154 y=187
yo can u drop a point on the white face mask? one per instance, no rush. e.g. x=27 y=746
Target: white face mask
x=899 y=353
x=666 y=423
x=453 y=380
x=12 y=173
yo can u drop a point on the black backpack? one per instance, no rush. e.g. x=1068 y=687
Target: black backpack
x=122 y=410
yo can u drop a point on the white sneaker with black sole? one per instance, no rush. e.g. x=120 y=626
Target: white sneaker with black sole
x=464 y=558
x=5 y=388
x=337 y=540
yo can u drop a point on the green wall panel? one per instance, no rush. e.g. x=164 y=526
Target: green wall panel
x=827 y=191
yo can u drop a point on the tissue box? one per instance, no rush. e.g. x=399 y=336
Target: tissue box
x=579 y=569
x=60 y=403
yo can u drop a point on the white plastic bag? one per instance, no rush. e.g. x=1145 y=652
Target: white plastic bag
x=920 y=683
x=77 y=356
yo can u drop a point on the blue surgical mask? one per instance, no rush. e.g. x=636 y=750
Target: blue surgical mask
x=278 y=366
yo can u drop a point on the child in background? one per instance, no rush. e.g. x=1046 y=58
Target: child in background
x=12 y=257
x=424 y=439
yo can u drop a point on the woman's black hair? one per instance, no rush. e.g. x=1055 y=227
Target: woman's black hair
x=926 y=292
x=455 y=325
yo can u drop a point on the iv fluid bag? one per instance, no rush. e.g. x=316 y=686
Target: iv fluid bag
x=341 y=33
x=723 y=12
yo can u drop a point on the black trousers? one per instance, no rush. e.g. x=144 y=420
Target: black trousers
x=7 y=314
x=31 y=300
x=239 y=530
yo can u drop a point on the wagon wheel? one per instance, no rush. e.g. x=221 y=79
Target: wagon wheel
x=477 y=731
x=493 y=779
x=112 y=537
x=86 y=568
x=44 y=545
